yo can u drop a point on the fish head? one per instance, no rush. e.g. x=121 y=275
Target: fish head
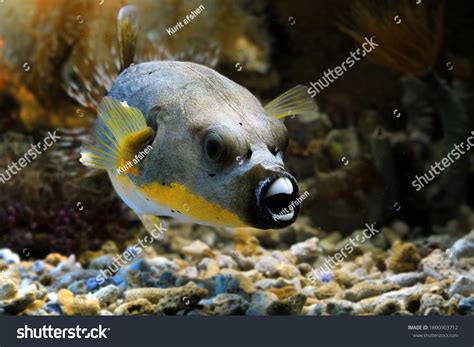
x=216 y=142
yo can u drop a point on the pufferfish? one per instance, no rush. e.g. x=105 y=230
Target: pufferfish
x=180 y=140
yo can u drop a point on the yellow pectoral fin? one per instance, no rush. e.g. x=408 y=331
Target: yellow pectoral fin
x=178 y=197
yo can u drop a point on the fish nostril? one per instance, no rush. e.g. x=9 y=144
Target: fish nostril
x=249 y=153
x=274 y=150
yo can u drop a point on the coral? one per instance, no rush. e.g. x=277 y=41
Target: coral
x=413 y=47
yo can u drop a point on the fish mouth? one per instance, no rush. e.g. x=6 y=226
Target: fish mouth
x=277 y=201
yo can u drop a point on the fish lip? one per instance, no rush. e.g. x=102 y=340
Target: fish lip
x=269 y=219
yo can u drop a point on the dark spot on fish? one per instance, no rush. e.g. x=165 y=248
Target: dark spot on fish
x=163 y=183
x=241 y=124
x=150 y=72
x=212 y=175
x=173 y=211
x=249 y=153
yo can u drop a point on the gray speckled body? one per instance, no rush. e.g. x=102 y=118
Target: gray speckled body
x=183 y=102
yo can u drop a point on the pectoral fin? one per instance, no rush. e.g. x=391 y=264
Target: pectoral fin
x=294 y=101
x=120 y=132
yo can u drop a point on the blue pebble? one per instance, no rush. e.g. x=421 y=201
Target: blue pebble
x=92 y=283
x=120 y=277
x=466 y=305
x=38 y=266
x=52 y=307
x=326 y=277
x=227 y=284
x=138 y=265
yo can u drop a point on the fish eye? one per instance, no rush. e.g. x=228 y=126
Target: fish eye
x=220 y=146
x=214 y=146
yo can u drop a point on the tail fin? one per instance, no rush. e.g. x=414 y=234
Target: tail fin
x=127 y=34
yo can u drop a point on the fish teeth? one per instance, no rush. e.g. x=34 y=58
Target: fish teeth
x=281 y=185
x=285 y=217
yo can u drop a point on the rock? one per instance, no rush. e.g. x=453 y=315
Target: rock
x=108 y=294
x=243 y=262
x=340 y=307
x=101 y=262
x=136 y=307
x=306 y=250
x=406 y=279
x=163 y=264
x=83 y=305
x=315 y=309
x=260 y=302
x=432 y=304
x=230 y=304
x=329 y=290
x=290 y=306
x=345 y=279
x=8 y=290
x=284 y=292
x=365 y=290
x=438 y=265
x=153 y=295
x=227 y=284
x=177 y=299
x=387 y=308
x=109 y=247
x=466 y=305
x=463 y=286
x=212 y=269
x=190 y=272
x=198 y=249
x=404 y=258
x=463 y=247
x=54 y=259
x=17 y=299
x=8 y=256
x=267 y=283
x=267 y=265
x=226 y=261
x=274 y=266
x=245 y=283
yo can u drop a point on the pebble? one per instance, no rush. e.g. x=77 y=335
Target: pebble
x=8 y=256
x=340 y=307
x=81 y=305
x=198 y=248
x=437 y=265
x=108 y=294
x=8 y=290
x=306 y=250
x=260 y=302
x=464 y=247
x=136 y=307
x=153 y=295
x=463 y=286
x=230 y=304
x=177 y=299
x=364 y=290
x=406 y=279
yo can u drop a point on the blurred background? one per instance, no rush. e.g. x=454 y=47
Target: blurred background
x=383 y=122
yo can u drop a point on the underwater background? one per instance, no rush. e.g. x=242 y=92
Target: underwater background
x=376 y=128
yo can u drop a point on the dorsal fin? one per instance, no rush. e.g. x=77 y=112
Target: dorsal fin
x=294 y=101
x=120 y=132
x=127 y=26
